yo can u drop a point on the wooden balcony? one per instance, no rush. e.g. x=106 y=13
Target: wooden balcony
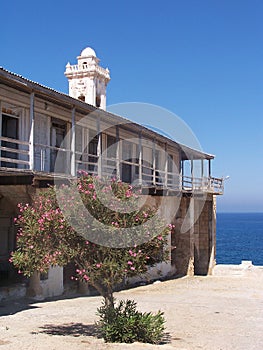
x=20 y=158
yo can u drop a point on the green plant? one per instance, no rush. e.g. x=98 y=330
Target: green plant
x=125 y=324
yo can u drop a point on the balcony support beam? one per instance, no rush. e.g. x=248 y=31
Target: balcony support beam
x=165 y=166
x=31 y=132
x=192 y=173
x=73 y=143
x=118 y=172
x=140 y=158
x=0 y=126
x=99 y=148
x=154 y=161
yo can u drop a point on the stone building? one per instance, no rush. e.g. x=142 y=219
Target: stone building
x=47 y=135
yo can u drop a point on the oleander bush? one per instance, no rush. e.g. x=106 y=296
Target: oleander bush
x=103 y=255
x=101 y=227
x=123 y=323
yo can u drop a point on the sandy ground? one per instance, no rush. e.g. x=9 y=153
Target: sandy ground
x=218 y=312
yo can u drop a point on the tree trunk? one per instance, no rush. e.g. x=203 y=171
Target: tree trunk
x=34 y=289
x=106 y=293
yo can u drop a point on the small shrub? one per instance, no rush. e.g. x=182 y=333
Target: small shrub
x=124 y=324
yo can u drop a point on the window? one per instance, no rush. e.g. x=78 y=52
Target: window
x=98 y=101
x=111 y=146
x=10 y=131
x=57 y=158
x=126 y=169
x=93 y=150
x=170 y=163
x=110 y=165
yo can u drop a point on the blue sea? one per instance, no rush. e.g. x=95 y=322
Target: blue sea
x=239 y=237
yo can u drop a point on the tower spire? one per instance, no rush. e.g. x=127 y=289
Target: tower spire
x=87 y=79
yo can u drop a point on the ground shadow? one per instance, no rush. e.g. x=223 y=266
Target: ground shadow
x=71 y=329
x=11 y=307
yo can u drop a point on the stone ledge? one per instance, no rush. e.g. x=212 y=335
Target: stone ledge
x=242 y=269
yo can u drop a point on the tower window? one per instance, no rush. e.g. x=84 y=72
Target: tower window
x=81 y=98
x=98 y=101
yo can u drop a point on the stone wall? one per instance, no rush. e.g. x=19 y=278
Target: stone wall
x=194 y=236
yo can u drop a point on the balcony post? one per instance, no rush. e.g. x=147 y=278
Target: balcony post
x=118 y=173
x=166 y=167
x=140 y=158
x=0 y=128
x=154 y=162
x=202 y=174
x=182 y=173
x=192 y=173
x=209 y=168
x=73 y=143
x=99 y=155
x=31 y=132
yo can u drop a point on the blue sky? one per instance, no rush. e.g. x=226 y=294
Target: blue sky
x=201 y=59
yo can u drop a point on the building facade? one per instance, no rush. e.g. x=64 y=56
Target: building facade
x=47 y=135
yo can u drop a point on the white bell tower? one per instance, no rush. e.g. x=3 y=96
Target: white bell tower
x=87 y=79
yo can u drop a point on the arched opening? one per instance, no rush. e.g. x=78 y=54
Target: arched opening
x=81 y=98
x=98 y=101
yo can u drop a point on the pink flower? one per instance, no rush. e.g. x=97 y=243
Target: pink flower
x=160 y=238
x=132 y=268
x=98 y=265
x=130 y=262
x=128 y=194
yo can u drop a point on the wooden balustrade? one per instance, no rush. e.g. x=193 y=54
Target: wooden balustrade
x=14 y=154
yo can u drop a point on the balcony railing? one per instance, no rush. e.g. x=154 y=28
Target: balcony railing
x=15 y=156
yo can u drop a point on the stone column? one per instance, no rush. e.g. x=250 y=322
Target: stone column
x=212 y=261
x=183 y=257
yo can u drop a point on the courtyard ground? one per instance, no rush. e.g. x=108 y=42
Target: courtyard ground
x=218 y=312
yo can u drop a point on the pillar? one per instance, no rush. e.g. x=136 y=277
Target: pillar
x=31 y=132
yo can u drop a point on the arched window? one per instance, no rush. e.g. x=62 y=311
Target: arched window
x=98 y=101
x=81 y=98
